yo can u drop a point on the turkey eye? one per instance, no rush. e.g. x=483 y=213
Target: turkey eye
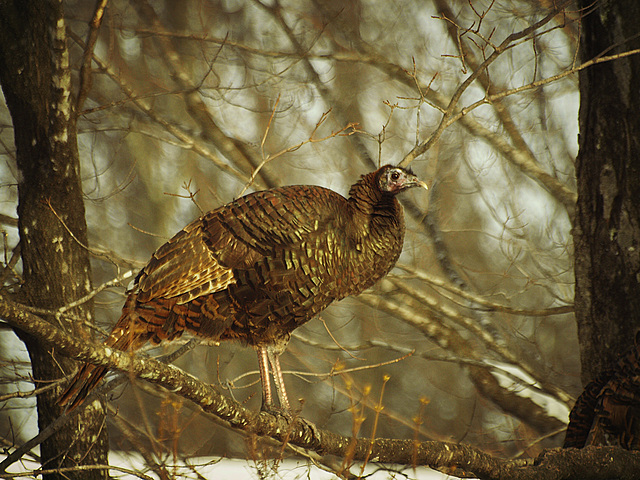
x=395 y=176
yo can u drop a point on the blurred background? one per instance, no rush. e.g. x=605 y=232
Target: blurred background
x=471 y=338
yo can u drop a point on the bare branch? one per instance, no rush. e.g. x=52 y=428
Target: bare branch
x=85 y=68
x=592 y=462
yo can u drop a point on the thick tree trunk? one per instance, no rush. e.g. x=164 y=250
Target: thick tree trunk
x=607 y=223
x=36 y=81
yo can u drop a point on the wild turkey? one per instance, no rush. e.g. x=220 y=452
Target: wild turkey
x=608 y=410
x=257 y=268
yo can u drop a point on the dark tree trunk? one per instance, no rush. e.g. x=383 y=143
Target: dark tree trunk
x=36 y=81
x=607 y=223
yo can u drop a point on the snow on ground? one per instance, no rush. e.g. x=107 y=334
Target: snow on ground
x=125 y=465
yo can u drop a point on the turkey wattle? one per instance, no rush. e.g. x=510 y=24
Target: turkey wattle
x=257 y=268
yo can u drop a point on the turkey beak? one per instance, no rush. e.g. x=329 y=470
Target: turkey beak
x=415 y=182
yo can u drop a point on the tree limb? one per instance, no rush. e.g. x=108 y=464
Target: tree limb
x=588 y=463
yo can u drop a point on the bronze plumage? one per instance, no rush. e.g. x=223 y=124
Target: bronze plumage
x=255 y=269
x=608 y=410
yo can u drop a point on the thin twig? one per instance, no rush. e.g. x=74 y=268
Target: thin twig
x=508 y=43
x=85 y=68
x=345 y=131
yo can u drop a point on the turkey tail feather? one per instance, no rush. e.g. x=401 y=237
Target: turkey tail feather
x=126 y=337
x=86 y=380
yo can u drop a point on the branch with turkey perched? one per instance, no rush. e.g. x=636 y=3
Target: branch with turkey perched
x=569 y=463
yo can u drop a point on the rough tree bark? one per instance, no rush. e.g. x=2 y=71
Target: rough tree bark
x=607 y=223
x=36 y=81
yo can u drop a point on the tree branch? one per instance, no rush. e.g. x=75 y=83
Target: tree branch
x=589 y=463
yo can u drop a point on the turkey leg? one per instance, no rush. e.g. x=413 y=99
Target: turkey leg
x=274 y=361
x=269 y=364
